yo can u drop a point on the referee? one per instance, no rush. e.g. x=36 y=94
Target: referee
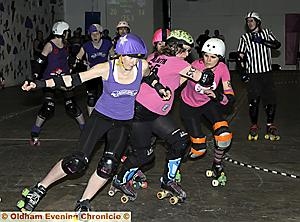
x=254 y=57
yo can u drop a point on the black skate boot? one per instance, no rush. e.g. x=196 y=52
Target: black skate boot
x=272 y=133
x=32 y=197
x=217 y=172
x=128 y=193
x=253 y=132
x=83 y=206
x=139 y=180
x=173 y=190
x=35 y=140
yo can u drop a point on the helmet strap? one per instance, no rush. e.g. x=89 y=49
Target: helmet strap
x=120 y=63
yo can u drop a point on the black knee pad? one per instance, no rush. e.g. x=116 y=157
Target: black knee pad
x=75 y=163
x=91 y=99
x=107 y=166
x=141 y=156
x=222 y=135
x=179 y=143
x=72 y=108
x=48 y=108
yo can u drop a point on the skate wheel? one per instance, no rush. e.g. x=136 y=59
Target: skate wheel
x=111 y=193
x=173 y=200
x=209 y=173
x=25 y=192
x=215 y=183
x=161 y=195
x=21 y=204
x=144 y=185
x=267 y=136
x=124 y=199
x=136 y=185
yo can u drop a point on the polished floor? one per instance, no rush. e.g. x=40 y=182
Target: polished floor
x=263 y=176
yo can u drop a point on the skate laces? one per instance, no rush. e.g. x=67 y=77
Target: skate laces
x=37 y=193
x=125 y=187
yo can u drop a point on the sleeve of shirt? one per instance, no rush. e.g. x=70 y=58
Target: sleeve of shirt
x=271 y=35
x=241 y=46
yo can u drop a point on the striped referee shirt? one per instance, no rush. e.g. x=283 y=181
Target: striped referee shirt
x=258 y=56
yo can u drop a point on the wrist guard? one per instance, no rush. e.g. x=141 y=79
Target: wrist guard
x=60 y=83
x=207 y=78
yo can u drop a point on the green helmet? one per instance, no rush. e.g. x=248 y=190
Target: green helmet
x=181 y=37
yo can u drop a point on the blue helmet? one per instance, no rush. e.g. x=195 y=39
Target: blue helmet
x=131 y=44
x=95 y=28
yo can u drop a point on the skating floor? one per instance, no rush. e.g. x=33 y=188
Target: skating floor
x=263 y=184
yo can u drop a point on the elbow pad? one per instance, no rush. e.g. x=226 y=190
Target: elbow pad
x=60 y=83
x=150 y=79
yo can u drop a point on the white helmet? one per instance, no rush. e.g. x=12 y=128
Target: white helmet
x=59 y=28
x=253 y=15
x=214 y=46
x=123 y=24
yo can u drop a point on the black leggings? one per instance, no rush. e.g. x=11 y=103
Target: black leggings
x=193 y=117
x=261 y=86
x=95 y=128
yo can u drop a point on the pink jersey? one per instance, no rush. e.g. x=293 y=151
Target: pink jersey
x=167 y=68
x=193 y=94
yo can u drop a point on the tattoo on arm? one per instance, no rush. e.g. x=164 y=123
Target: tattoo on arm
x=191 y=72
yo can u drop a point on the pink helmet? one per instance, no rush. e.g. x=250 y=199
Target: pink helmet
x=160 y=35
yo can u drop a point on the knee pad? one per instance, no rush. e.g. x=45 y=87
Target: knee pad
x=198 y=147
x=222 y=135
x=91 y=99
x=48 y=108
x=179 y=143
x=75 y=163
x=72 y=109
x=107 y=166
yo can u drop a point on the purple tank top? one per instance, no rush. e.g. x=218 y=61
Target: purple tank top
x=57 y=62
x=117 y=100
x=96 y=56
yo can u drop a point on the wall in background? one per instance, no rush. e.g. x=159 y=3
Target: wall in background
x=228 y=16
x=139 y=15
x=19 y=21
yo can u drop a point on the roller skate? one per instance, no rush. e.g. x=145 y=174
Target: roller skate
x=139 y=180
x=173 y=190
x=31 y=199
x=218 y=174
x=272 y=133
x=253 y=133
x=128 y=193
x=83 y=206
x=35 y=140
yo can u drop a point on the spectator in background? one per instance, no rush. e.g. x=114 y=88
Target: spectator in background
x=38 y=44
x=105 y=35
x=217 y=35
x=201 y=40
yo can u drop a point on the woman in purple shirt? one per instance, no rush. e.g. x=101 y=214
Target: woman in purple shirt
x=56 y=54
x=113 y=113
